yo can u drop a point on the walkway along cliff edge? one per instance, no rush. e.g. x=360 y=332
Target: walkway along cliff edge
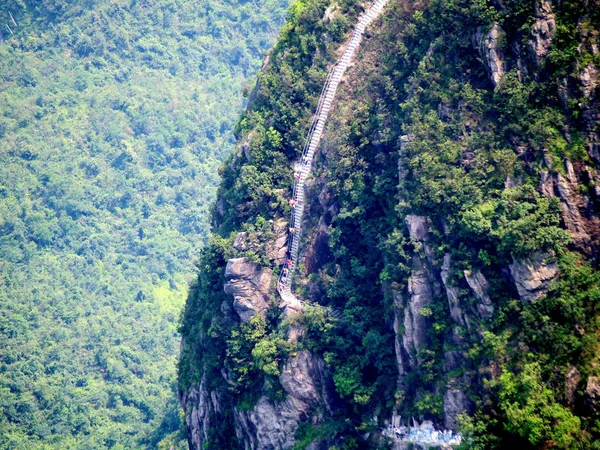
x=303 y=168
x=418 y=435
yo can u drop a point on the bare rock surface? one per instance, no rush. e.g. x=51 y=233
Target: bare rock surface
x=203 y=411
x=249 y=287
x=455 y=403
x=417 y=227
x=542 y=31
x=571 y=381
x=491 y=48
x=452 y=292
x=272 y=425
x=592 y=393
x=479 y=285
x=532 y=276
x=588 y=80
x=398 y=334
x=570 y=211
x=416 y=324
x=573 y=205
x=277 y=247
x=422 y=287
x=240 y=243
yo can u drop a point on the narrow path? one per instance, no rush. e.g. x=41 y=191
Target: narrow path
x=303 y=167
x=424 y=434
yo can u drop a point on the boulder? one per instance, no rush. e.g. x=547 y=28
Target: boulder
x=490 y=45
x=542 y=32
x=532 y=276
x=249 y=287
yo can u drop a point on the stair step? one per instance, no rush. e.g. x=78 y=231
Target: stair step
x=311 y=144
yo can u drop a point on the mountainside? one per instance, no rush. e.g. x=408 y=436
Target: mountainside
x=114 y=118
x=450 y=242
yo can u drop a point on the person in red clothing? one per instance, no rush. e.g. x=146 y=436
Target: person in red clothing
x=292 y=202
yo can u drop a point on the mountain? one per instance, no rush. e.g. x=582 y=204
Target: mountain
x=448 y=249
x=114 y=119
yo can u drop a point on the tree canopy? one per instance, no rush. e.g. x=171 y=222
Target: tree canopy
x=115 y=118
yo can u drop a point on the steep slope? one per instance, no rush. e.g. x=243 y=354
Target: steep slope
x=114 y=119
x=448 y=263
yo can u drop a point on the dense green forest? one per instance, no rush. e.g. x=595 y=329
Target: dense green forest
x=114 y=118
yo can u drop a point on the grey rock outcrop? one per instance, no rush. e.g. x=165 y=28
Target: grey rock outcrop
x=398 y=334
x=456 y=400
x=271 y=425
x=573 y=205
x=571 y=381
x=570 y=209
x=455 y=403
x=542 y=31
x=592 y=394
x=479 y=285
x=417 y=227
x=416 y=324
x=249 y=287
x=491 y=48
x=422 y=286
x=240 y=243
x=413 y=328
x=203 y=409
x=452 y=293
x=588 y=88
x=277 y=247
x=588 y=80
x=532 y=276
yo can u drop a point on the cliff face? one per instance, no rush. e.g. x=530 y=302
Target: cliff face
x=304 y=387
x=448 y=262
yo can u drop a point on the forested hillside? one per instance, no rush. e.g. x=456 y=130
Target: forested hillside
x=114 y=119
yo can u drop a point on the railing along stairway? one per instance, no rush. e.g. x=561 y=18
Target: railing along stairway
x=284 y=284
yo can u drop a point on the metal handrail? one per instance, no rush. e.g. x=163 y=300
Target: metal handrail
x=319 y=118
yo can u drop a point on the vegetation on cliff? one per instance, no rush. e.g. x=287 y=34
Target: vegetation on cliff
x=430 y=125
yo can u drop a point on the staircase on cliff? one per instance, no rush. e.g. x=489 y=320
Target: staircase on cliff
x=303 y=168
x=419 y=435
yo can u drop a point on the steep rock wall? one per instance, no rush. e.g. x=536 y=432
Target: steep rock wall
x=435 y=218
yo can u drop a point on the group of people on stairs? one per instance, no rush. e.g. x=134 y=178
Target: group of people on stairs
x=296 y=202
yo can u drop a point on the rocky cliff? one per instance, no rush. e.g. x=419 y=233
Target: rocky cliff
x=448 y=267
